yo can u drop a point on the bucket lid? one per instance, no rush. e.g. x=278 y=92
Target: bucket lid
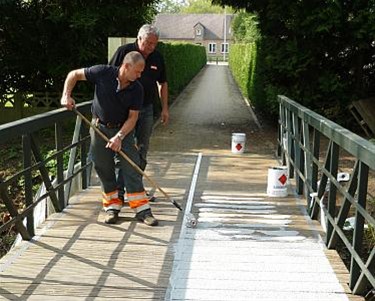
x=279 y=167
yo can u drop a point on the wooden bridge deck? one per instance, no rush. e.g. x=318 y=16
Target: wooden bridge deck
x=250 y=247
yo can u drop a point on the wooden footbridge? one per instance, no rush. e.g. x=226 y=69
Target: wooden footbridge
x=246 y=246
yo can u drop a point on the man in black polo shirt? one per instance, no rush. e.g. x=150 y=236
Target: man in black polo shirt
x=153 y=74
x=117 y=101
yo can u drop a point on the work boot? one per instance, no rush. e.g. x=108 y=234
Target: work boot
x=111 y=216
x=146 y=217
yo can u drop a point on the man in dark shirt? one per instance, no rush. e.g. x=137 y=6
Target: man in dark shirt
x=117 y=101
x=153 y=74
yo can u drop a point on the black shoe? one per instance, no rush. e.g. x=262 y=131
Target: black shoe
x=146 y=217
x=111 y=216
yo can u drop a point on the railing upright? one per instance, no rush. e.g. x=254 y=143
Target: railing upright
x=59 y=163
x=359 y=223
x=28 y=183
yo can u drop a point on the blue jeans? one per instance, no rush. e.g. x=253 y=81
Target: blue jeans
x=143 y=131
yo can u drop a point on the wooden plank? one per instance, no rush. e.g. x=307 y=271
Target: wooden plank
x=80 y=255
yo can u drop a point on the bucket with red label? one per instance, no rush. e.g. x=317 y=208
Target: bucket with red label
x=238 y=143
x=277 y=185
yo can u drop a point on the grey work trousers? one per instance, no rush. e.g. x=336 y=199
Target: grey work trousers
x=143 y=131
x=105 y=160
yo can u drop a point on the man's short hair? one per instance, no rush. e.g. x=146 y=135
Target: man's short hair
x=147 y=30
x=133 y=58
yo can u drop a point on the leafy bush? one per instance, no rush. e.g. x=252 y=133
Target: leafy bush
x=319 y=53
x=183 y=61
x=41 y=41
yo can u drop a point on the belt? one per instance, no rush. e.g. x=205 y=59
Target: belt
x=110 y=125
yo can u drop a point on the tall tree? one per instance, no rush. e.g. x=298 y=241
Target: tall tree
x=170 y=6
x=202 y=7
x=245 y=27
x=322 y=53
x=42 y=40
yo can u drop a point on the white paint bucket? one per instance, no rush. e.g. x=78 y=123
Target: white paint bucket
x=277 y=181
x=238 y=143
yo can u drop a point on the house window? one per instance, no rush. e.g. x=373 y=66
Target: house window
x=212 y=48
x=224 y=48
x=198 y=32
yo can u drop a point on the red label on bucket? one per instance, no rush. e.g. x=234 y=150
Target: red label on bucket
x=238 y=146
x=283 y=179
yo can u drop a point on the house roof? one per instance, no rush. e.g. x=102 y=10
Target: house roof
x=181 y=26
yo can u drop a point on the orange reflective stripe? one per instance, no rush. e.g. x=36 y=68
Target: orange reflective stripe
x=136 y=204
x=136 y=196
x=110 y=195
x=116 y=201
x=137 y=199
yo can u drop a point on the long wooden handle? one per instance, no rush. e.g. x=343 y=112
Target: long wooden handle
x=130 y=161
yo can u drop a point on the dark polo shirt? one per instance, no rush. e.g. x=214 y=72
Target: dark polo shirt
x=111 y=104
x=154 y=71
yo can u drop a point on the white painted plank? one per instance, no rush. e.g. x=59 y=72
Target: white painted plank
x=225 y=295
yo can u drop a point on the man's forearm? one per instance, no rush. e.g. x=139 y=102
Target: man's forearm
x=164 y=95
x=70 y=83
x=129 y=124
x=127 y=127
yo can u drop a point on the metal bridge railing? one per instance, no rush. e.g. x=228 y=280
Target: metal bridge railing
x=26 y=131
x=301 y=140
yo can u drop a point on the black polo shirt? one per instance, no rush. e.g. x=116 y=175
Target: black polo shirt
x=154 y=70
x=111 y=104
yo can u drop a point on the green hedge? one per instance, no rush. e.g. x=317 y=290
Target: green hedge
x=183 y=61
x=318 y=53
x=244 y=62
